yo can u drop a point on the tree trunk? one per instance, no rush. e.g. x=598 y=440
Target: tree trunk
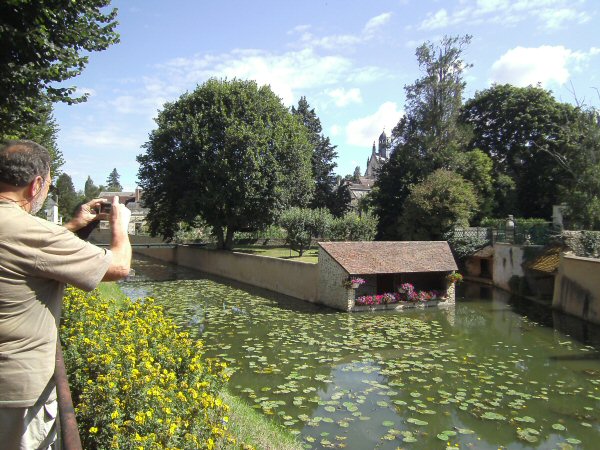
x=218 y=231
x=229 y=239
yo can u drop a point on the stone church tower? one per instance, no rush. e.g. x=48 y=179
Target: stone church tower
x=378 y=157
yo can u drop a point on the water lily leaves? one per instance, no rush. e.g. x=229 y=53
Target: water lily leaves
x=489 y=415
x=418 y=422
x=525 y=419
x=394 y=367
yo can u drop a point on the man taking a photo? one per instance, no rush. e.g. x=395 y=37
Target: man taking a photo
x=37 y=259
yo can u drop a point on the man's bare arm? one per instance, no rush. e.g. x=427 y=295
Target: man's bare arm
x=119 y=246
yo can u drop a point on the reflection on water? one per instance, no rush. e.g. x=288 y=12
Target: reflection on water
x=491 y=372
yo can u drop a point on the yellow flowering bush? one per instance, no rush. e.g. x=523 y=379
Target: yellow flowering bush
x=137 y=381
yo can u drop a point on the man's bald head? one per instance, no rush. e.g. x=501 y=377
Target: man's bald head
x=22 y=161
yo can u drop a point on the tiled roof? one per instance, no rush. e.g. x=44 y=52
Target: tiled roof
x=485 y=252
x=363 y=258
x=547 y=262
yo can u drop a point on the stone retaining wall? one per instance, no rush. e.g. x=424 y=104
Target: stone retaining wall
x=577 y=287
x=293 y=278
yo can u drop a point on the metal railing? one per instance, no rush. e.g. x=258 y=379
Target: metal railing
x=535 y=234
x=68 y=434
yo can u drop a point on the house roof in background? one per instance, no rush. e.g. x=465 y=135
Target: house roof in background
x=364 y=258
x=547 y=262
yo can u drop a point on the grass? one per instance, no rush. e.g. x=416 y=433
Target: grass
x=251 y=427
x=245 y=423
x=309 y=256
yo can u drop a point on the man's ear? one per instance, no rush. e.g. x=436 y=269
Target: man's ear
x=35 y=186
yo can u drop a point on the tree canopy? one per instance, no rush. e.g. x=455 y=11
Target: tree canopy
x=229 y=151
x=44 y=43
x=68 y=200
x=323 y=156
x=529 y=136
x=442 y=201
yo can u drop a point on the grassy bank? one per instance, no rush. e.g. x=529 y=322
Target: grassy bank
x=244 y=424
x=250 y=426
x=310 y=255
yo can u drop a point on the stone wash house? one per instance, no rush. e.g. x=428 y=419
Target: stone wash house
x=384 y=266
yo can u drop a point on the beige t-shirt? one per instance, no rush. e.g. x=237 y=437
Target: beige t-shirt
x=37 y=259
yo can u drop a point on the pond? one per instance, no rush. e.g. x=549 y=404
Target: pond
x=489 y=373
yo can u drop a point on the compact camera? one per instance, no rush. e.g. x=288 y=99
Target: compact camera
x=104 y=208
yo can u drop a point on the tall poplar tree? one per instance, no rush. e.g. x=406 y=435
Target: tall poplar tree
x=429 y=136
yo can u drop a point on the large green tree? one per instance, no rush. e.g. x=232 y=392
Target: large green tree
x=67 y=198
x=436 y=205
x=42 y=45
x=90 y=190
x=533 y=141
x=229 y=151
x=323 y=156
x=429 y=136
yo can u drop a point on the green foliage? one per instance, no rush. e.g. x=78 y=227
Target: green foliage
x=520 y=222
x=477 y=167
x=67 y=198
x=464 y=245
x=90 y=190
x=590 y=244
x=532 y=139
x=340 y=200
x=42 y=129
x=136 y=380
x=442 y=201
x=45 y=43
x=429 y=137
x=230 y=152
x=112 y=182
x=353 y=227
x=323 y=156
x=302 y=224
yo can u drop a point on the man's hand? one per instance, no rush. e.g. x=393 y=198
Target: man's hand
x=86 y=214
x=119 y=216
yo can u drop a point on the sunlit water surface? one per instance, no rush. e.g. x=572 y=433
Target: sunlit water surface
x=488 y=373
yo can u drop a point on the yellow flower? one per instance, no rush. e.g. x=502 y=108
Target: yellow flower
x=93 y=430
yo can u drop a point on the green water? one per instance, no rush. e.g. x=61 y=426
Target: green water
x=485 y=374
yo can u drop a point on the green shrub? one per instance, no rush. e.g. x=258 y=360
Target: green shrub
x=137 y=381
x=352 y=227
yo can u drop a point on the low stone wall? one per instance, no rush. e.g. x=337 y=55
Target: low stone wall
x=293 y=278
x=577 y=287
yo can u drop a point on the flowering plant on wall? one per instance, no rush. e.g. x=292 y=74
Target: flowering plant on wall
x=409 y=296
x=454 y=277
x=353 y=283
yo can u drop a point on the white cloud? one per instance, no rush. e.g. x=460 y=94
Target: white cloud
x=362 y=132
x=559 y=18
x=337 y=41
x=109 y=138
x=550 y=14
x=439 y=19
x=376 y=22
x=289 y=74
x=343 y=97
x=546 y=64
x=335 y=130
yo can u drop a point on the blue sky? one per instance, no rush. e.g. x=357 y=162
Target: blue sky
x=350 y=58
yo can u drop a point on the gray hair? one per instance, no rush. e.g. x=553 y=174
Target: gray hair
x=22 y=161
